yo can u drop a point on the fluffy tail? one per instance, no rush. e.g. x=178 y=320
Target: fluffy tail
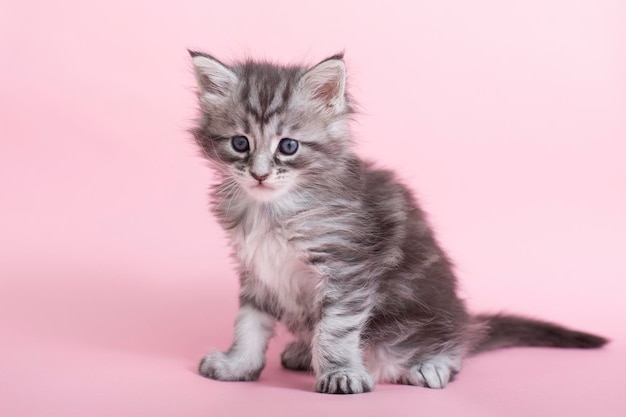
x=503 y=331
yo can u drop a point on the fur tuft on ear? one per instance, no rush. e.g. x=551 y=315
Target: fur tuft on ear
x=326 y=83
x=194 y=54
x=213 y=77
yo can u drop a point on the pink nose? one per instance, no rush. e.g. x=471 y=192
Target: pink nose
x=259 y=178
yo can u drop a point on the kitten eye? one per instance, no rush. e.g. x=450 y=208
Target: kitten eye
x=288 y=146
x=240 y=143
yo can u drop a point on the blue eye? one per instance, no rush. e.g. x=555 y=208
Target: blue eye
x=288 y=146
x=240 y=143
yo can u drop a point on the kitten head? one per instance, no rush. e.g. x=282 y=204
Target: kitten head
x=271 y=129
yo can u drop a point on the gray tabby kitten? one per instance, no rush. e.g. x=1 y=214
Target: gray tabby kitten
x=337 y=250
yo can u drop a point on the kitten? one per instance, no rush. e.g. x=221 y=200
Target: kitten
x=337 y=250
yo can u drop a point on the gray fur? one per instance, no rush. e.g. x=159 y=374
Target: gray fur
x=336 y=249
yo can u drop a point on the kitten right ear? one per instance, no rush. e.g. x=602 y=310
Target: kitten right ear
x=213 y=77
x=325 y=83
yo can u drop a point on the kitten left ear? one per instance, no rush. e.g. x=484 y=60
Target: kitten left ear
x=213 y=77
x=326 y=83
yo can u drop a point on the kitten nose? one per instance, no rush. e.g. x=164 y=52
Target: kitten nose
x=258 y=177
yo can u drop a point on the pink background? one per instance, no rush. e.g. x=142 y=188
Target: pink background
x=507 y=117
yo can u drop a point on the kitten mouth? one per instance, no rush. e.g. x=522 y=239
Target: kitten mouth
x=261 y=186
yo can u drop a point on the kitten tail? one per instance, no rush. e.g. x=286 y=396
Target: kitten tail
x=504 y=331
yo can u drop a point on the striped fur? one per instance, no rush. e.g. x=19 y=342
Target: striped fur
x=336 y=249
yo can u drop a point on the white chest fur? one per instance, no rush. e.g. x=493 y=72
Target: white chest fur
x=264 y=249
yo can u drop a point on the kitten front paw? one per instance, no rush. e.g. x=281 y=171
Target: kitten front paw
x=228 y=367
x=296 y=356
x=344 y=381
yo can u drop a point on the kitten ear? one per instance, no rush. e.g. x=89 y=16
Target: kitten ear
x=326 y=83
x=213 y=77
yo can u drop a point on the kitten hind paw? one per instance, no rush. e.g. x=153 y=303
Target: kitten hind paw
x=433 y=373
x=296 y=356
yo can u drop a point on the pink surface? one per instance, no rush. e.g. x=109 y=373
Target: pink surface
x=508 y=118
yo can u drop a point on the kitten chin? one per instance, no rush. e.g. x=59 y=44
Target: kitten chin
x=336 y=249
x=265 y=191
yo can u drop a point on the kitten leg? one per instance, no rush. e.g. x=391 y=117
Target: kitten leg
x=245 y=360
x=337 y=356
x=297 y=355
x=435 y=372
